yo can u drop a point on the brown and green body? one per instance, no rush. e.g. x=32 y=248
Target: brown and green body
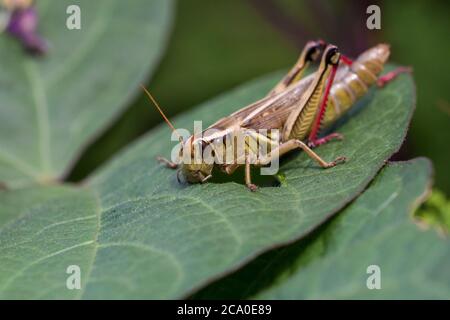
x=296 y=107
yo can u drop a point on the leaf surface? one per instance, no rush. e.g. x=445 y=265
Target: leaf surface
x=376 y=230
x=154 y=238
x=331 y=263
x=52 y=107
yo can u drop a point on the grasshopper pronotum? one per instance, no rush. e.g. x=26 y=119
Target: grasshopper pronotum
x=297 y=107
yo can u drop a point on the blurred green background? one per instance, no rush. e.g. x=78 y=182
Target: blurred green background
x=216 y=45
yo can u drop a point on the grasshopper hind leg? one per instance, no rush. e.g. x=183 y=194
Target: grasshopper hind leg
x=310 y=53
x=388 y=77
x=319 y=141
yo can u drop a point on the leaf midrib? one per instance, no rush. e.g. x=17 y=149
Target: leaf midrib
x=98 y=213
x=39 y=99
x=39 y=92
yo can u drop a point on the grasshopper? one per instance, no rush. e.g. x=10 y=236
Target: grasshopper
x=297 y=106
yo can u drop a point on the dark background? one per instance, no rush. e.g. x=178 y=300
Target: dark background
x=218 y=44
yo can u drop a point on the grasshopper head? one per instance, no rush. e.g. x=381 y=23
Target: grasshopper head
x=196 y=170
x=196 y=173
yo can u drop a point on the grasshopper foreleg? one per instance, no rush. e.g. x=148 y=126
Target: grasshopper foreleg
x=167 y=163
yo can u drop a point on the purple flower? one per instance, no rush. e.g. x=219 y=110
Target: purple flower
x=23 y=25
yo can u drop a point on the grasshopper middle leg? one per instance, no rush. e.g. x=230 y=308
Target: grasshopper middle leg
x=248 y=178
x=298 y=144
x=283 y=149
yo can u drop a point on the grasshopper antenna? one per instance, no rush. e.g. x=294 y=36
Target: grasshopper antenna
x=180 y=138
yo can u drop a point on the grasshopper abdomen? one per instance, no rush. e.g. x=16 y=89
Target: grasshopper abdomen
x=352 y=82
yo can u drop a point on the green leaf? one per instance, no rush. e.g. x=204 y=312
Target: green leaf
x=45 y=231
x=435 y=212
x=377 y=229
x=430 y=25
x=52 y=107
x=136 y=233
